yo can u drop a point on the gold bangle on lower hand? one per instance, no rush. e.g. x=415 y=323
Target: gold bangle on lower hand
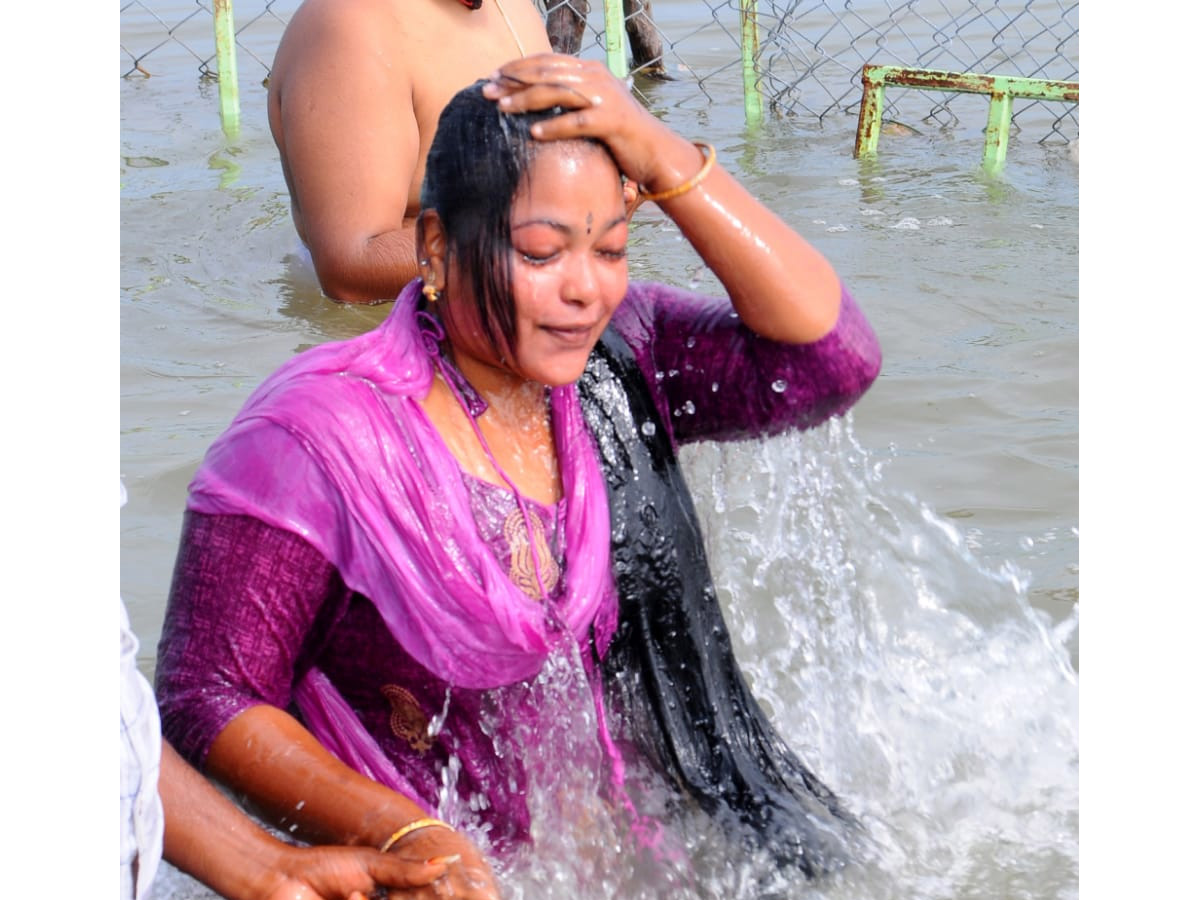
x=408 y=829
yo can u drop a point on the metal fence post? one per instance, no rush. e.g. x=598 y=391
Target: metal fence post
x=753 y=100
x=614 y=38
x=995 y=136
x=226 y=65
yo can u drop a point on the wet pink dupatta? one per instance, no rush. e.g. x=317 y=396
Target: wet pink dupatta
x=336 y=447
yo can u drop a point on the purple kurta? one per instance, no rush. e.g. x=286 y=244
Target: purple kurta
x=253 y=607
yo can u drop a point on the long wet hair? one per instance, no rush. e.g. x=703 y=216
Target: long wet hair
x=478 y=159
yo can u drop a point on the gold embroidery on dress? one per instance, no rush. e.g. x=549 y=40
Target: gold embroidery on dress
x=521 y=570
x=408 y=721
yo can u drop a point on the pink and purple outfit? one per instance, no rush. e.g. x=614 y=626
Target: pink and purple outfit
x=336 y=561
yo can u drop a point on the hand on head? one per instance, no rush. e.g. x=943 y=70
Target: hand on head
x=595 y=104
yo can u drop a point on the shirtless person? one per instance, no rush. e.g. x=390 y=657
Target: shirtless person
x=355 y=93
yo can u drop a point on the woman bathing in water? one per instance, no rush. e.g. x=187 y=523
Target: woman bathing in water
x=399 y=531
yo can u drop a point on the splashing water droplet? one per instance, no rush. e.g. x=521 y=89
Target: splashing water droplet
x=779 y=386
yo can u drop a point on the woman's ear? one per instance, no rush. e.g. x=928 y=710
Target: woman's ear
x=431 y=248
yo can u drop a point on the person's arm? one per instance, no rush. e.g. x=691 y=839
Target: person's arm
x=781 y=287
x=243 y=601
x=347 y=134
x=713 y=378
x=212 y=840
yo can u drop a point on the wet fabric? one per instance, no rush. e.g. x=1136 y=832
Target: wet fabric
x=259 y=602
x=371 y=485
x=671 y=665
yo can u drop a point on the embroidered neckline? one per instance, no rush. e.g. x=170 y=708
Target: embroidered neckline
x=432 y=334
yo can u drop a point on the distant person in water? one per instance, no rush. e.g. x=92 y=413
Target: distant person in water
x=354 y=97
x=401 y=534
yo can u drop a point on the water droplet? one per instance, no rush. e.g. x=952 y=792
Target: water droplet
x=690 y=408
x=716 y=387
x=691 y=341
x=658 y=376
x=648 y=429
x=779 y=386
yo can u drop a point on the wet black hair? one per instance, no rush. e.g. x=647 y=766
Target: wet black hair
x=477 y=160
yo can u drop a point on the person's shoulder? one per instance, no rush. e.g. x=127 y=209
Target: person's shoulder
x=335 y=20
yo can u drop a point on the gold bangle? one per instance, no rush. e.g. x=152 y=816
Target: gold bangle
x=410 y=828
x=709 y=153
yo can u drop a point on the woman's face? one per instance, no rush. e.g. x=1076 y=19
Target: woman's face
x=569 y=270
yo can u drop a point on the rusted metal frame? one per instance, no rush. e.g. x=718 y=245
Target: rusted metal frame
x=1001 y=90
x=750 y=91
x=614 y=38
x=227 y=76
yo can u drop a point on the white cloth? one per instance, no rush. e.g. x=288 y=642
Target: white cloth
x=141 y=751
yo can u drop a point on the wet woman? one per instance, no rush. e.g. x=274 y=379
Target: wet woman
x=399 y=532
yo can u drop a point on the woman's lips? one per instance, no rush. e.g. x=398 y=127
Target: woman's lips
x=572 y=335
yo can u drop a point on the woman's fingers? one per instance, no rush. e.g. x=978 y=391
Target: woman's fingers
x=595 y=104
x=394 y=871
x=542 y=82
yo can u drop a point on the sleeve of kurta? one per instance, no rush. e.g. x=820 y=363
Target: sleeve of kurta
x=243 y=603
x=715 y=379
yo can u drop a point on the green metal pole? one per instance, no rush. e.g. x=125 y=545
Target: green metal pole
x=750 y=62
x=870 y=113
x=226 y=66
x=995 y=136
x=614 y=38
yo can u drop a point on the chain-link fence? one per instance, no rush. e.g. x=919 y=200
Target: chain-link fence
x=809 y=60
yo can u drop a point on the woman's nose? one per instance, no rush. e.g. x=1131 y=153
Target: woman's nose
x=581 y=284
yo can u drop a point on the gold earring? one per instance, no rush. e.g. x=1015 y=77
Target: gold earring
x=431 y=293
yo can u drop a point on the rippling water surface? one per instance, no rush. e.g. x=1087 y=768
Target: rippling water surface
x=902 y=585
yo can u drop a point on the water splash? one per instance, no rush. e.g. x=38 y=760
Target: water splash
x=919 y=684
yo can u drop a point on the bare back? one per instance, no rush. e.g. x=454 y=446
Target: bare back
x=355 y=93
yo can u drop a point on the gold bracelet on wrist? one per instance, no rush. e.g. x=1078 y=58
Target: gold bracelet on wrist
x=709 y=152
x=410 y=828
